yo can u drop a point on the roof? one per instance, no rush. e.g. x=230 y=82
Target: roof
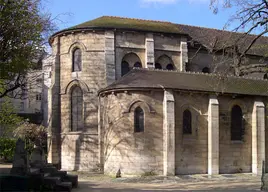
x=218 y=39
x=140 y=79
x=204 y=36
x=131 y=24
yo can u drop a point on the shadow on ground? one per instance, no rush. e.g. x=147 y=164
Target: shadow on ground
x=85 y=186
x=101 y=183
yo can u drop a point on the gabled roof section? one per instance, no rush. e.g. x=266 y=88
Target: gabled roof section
x=142 y=79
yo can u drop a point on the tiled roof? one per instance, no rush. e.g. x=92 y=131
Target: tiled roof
x=204 y=36
x=138 y=79
x=131 y=24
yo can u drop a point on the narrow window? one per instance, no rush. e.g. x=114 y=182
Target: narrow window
x=77 y=60
x=137 y=65
x=139 y=120
x=38 y=97
x=265 y=76
x=170 y=67
x=187 y=122
x=124 y=68
x=158 y=66
x=236 y=123
x=21 y=106
x=76 y=109
x=205 y=70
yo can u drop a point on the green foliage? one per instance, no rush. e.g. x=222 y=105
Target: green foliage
x=8 y=118
x=21 y=35
x=7 y=148
x=24 y=29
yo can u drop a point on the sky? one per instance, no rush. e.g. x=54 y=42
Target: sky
x=190 y=12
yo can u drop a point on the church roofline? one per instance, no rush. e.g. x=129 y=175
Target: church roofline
x=147 y=79
x=201 y=35
x=123 y=24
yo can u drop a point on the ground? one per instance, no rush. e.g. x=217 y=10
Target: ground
x=200 y=183
x=230 y=182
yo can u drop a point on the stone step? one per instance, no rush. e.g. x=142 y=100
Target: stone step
x=71 y=178
x=36 y=180
x=63 y=187
x=59 y=174
x=49 y=169
x=34 y=170
x=14 y=183
x=52 y=181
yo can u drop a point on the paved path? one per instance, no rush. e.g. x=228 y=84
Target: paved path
x=195 y=183
x=238 y=183
x=85 y=186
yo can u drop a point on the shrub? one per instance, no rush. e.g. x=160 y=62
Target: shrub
x=7 y=148
x=32 y=134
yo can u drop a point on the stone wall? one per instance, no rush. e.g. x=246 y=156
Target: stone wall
x=132 y=153
x=198 y=59
x=79 y=150
x=136 y=153
x=191 y=149
x=164 y=45
x=235 y=156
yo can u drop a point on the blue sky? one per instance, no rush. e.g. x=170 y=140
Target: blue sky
x=191 y=12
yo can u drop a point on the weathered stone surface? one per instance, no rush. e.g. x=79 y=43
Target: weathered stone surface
x=37 y=159
x=107 y=139
x=20 y=162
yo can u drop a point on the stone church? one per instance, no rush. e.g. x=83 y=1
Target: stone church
x=156 y=97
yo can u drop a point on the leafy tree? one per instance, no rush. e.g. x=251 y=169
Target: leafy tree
x=9 y=120
x=24 y=29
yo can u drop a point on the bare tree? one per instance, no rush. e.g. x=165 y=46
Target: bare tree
x=252 y=18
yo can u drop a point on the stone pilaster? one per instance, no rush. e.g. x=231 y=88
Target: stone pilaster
x=100 y=133
x=184 y=54
x=258 y=137
x=149 y=51
x=54 y=112
x=213 y=136
x=110 y=57
x=168 y=133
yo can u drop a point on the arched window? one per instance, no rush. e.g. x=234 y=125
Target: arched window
x=124 y=68
x=77 y=60
x=187 y=122
x=139 y=120
x=137 y=65
x=236 y=123
x=158 y=66
x=76 y=109
x=205 y=70
x=265 y=76
x=170 y=67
